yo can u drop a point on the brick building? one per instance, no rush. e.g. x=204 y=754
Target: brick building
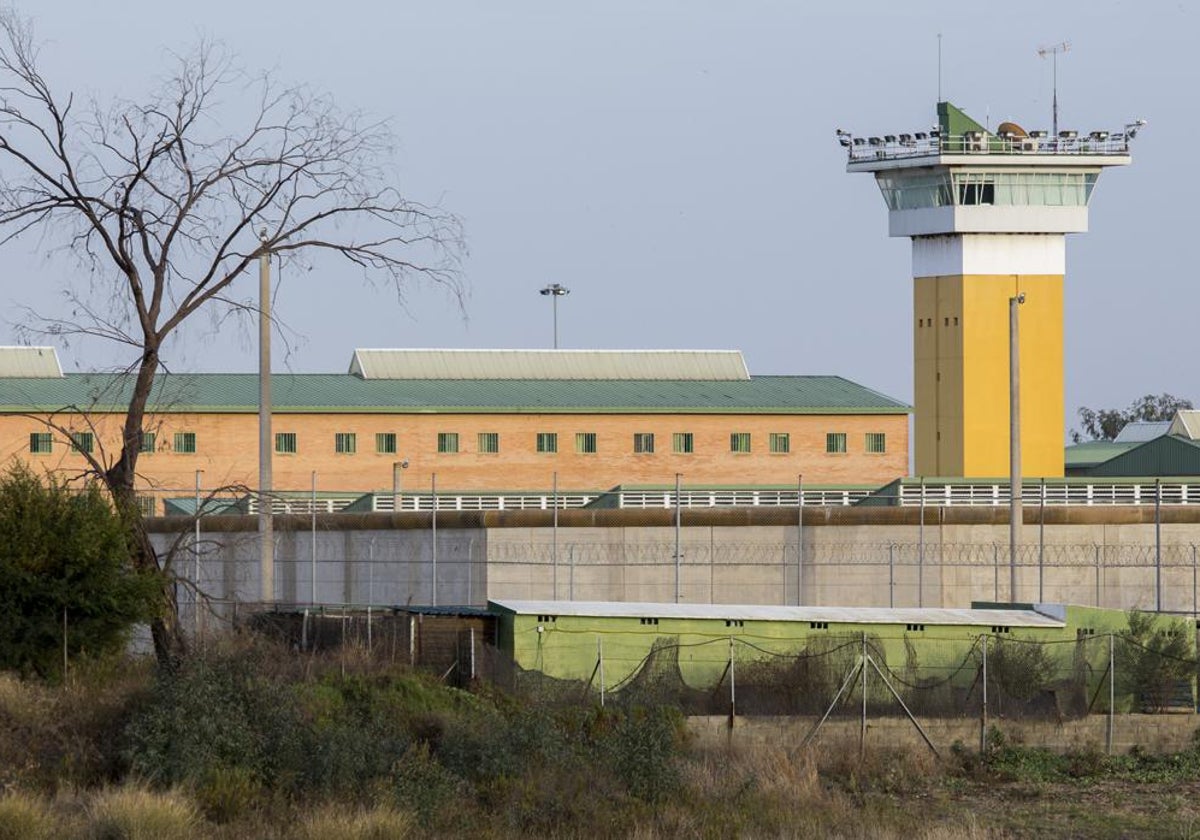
x=482 y=421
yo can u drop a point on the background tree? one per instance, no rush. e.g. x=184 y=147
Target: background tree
x=169 y=200
x=1106 y=423
x=65 y=554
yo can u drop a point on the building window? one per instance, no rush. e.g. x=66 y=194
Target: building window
x=41 y=443
x=147 y=443
x=585 y=443
x=285 y=443
x=489 y=443
x=82 y=442
x=643 y=443
x=682 y=443
x=780 y=443
x=739 y=442
x=385 y=443
x=345 y=443
x=447 y=442
x=547 y=442
x=185 y=443
x=835 y=443
x=876 y=443
x=146 y=506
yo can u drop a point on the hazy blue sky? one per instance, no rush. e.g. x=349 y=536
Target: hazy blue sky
x=674 y=164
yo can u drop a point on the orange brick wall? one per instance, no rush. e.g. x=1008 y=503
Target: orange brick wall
x=227 y=451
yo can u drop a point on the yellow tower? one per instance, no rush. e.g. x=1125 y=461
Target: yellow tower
x=988 y=215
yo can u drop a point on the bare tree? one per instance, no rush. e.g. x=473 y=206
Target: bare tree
x=170 y=204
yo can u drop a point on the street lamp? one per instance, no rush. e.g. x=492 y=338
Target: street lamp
x=554 y=291
x=397 y=466
x=1014 y=441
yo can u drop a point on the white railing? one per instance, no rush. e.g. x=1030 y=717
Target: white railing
x=891 y=147
x=997 y=494
x=738 y=498
x=386 y=502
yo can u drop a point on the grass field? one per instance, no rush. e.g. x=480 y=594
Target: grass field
x=252 y=741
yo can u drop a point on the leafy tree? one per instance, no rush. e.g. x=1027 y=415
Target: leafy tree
x=170 y=199
x=1155 y=655
x=64 y=567
x=1106 y=423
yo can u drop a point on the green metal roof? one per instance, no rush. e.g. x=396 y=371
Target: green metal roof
x=1093 y=452
x=345 y=393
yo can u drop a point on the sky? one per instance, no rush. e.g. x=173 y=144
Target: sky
x=674 y=164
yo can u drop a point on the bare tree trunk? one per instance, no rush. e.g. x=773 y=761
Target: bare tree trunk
x=170 y=646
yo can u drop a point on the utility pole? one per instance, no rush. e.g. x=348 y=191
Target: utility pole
x=266 y=536
x=1014 y=441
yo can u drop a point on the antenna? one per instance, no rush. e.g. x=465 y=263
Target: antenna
x=1053 y=52
x=939 y=99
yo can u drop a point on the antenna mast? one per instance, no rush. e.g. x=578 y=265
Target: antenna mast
x=1053 y=52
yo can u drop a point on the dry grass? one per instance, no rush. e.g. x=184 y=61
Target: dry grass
x=135 y=813
x=379 y=823
x=27 y=817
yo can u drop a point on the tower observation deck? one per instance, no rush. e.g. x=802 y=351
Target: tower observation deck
x=988 y=213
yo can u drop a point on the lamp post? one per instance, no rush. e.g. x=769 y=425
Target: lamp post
x=397 y=467
x=266 y=535
x=1014 y=441
x=554 y=291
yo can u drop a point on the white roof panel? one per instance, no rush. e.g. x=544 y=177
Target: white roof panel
x=840 y=615
x=29 y=363
x=699 y=365
x=1140 y=431
x=1186 y=424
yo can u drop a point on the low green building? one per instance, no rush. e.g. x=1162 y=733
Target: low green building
x=1044 y=648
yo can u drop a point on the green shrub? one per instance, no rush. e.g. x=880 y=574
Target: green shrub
x=1154 y=657
x=217 y=713
x=228 y=793
x=64 y=555
x=134 y=813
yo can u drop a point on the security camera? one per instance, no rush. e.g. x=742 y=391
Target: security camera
x=404 y=464
x=1020 y=297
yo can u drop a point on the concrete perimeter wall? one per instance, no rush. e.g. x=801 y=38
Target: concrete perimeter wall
x=1112 y=557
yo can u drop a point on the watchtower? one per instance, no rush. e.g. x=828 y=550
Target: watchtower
x=988 y=214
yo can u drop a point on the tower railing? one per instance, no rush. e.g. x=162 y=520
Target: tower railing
x=893 y=147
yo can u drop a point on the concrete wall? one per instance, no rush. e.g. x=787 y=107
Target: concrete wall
x=852 y=557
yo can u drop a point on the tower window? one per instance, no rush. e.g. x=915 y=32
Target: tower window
x=780 y=443
x=547 y=442
x=643 y=443
x=682 y=443
x=489 y=443
x=385 y=443
x=835 y=443
x=585 y=443
x=447 y=442
x=876 y=443
x=739 y=442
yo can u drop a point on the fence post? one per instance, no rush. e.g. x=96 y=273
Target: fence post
x=1158 y=545
x=996 y=572
x=554 y=537
x=1112 y=692
x=195 y=564
x=892 y=575
x=1097 y=575
x=678 y=522
x=983 y=714
x=313 y=507
x=600 y=666
x=472 y=654
x=1193 y=581
x=1042 y=544
x=732 y=687
x=862 y=735
x=433 y=531
x=800 y=540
